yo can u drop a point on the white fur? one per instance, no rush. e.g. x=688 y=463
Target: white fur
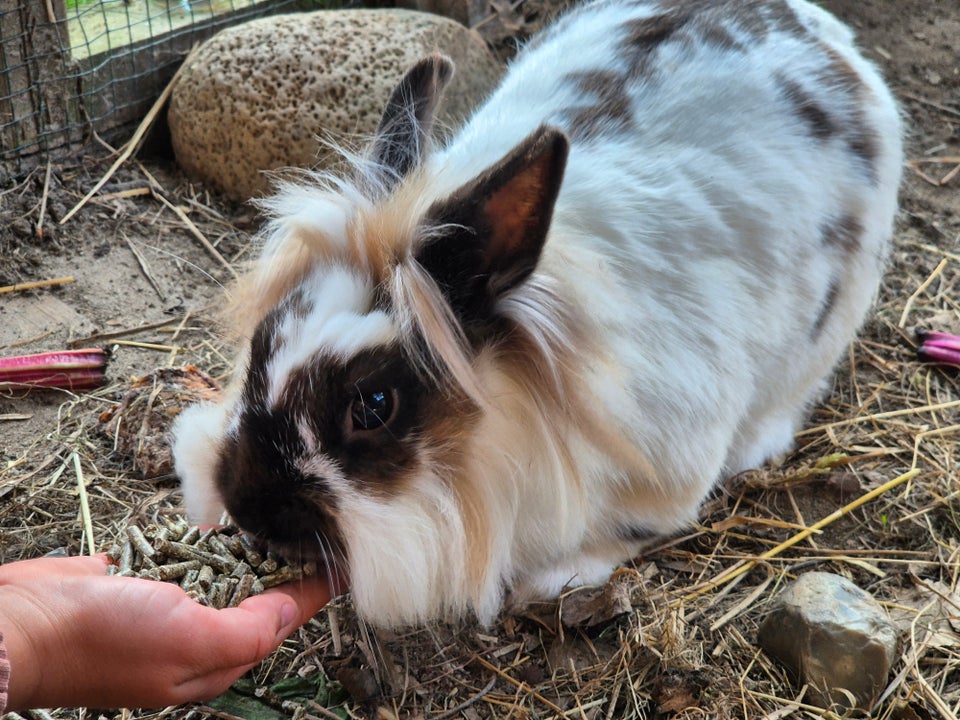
x=694 y=247
x=339 y=325
x=197 y=434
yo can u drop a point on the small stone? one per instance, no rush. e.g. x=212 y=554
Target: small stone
x=835 y=637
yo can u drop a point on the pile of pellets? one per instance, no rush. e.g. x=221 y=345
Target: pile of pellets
x=218 y=567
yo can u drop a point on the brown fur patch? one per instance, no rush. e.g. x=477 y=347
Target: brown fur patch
x=820 y=124
x=844 y=232
x=687 y=22
x=711 y=20
x=721 y=37
x=861 y=139
x=826 y=309
x=644 y=36
x=777 y=14
x=611 y=111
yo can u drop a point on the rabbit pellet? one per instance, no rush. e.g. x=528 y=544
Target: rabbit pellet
x=218 y=567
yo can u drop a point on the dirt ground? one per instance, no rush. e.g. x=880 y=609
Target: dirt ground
x=143 y=285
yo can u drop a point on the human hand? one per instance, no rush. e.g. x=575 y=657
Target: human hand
x=78 y=637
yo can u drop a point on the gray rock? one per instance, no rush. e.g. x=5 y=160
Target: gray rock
x=834 y=637
x=255 y=97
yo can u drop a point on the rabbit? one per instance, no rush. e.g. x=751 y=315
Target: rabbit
x=490 y=368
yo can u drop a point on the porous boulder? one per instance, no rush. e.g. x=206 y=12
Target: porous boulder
x=256 y=96
x=835 y=637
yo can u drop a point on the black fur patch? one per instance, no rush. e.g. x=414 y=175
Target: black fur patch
x=261 y=474
x=322 y=394
x=262 y=488
x=494 y=229
x=634 y=533
x=401 y=138
x=455 y=259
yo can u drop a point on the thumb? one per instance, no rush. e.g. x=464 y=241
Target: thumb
x=287 y=607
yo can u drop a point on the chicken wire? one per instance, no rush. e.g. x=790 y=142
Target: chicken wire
x=73 y=68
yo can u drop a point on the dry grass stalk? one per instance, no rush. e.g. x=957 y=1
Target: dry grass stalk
x=35 y=284
x=156 y=190
x=84 y=506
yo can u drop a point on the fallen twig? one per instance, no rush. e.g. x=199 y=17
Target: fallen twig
x=156 y=189
x=144 y=267
x=35 y=284
x=43 y=201
x=100 y=337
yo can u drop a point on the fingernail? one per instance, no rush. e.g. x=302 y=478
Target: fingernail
x=288 y=614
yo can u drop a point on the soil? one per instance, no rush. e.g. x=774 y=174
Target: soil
x=134 y=263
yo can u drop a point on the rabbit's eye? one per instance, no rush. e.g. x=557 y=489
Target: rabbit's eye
x=372 y=409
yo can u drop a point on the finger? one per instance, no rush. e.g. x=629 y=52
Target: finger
x=310 y=595
x=237 y=638
x=69 y=566
x=290 y=605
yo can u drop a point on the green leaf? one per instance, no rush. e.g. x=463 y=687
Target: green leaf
x=245 y=706
x=299 y=688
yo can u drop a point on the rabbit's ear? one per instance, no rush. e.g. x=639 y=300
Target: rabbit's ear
x=491 y=231
x=401 y=137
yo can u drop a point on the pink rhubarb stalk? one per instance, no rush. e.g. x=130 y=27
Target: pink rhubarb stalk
x=939 y=347
x=68 y=369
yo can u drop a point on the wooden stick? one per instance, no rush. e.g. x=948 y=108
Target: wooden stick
x=521 y=686
x=144 y=267
x=122 y=194
x=100 y=337
x=133 y=144
x=158 y=192
x=931 y=103
x=144 y=345
x=947 y=159
x=35 y=284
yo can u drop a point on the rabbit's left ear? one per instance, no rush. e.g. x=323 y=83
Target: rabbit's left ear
x=490 y=232
x=404 y=129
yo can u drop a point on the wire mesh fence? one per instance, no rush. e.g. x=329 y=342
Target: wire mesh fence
x=70 y=69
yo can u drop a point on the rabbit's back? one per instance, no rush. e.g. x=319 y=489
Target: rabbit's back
x=723 y=223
